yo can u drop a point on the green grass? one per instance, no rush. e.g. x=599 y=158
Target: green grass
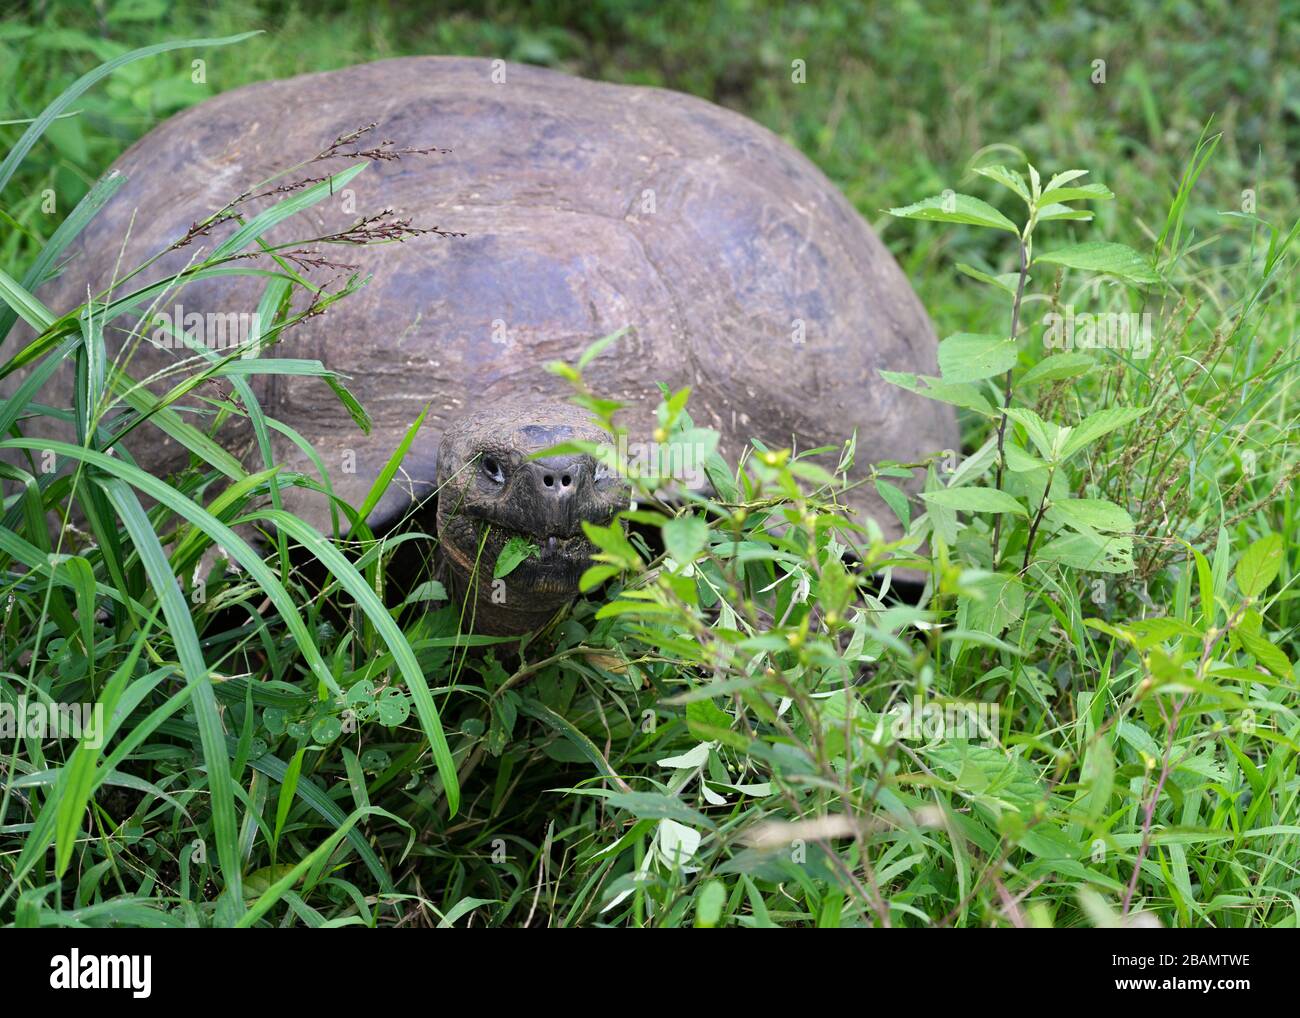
x=709 y=741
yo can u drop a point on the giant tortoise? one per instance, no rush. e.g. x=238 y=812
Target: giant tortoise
x=585 y=207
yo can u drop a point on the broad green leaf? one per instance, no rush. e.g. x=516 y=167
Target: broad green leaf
x=656 y=806
x=429 y=590
x=1085 y=192
x=1161 y=629
x=809 y=471
x=1007 y=282
x=512 y=556
x=1094 y=426
x=961 y=394
x=957 y=208
x=1019 y=461
x=1269 y=655
x=1090 y=514
x=1046 y=436
x=943 y=519
x=1259 y=565
x=990 y=772
x=1057 y=367
x=1064 y=177
x=613 y=543
x=1103 y=256
x=976 y=500
x=973 y=467
x=616 y=608
x=721 y=477
x=970 y=356
x=993 y=602
x=260 y=880
x=1093 y=554
x=685 y=536
x=679 y=457
x=896 y=499
x=709 y=902
x=595 y=576
x=1007 y=178
x=1098 y=776
x=1054 y=213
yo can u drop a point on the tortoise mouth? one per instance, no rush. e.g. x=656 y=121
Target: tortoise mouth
x=552 y=551
x=553 y=564
x=543 y=529
x=556 y=569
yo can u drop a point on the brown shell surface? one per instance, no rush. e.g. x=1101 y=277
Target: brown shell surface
x=739 y=268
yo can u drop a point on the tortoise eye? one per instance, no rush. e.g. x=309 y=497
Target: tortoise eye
x=493 y=470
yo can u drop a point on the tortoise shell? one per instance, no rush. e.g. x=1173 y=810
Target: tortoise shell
x=740 y=269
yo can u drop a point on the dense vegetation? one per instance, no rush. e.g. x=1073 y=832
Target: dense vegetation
x=740 y=726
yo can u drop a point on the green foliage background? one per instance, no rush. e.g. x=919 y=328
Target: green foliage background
x=1145 y=765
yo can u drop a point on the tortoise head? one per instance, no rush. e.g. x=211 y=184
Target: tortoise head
x=494 y=486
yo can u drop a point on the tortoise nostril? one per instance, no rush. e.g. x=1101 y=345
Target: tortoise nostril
x=561 y=478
